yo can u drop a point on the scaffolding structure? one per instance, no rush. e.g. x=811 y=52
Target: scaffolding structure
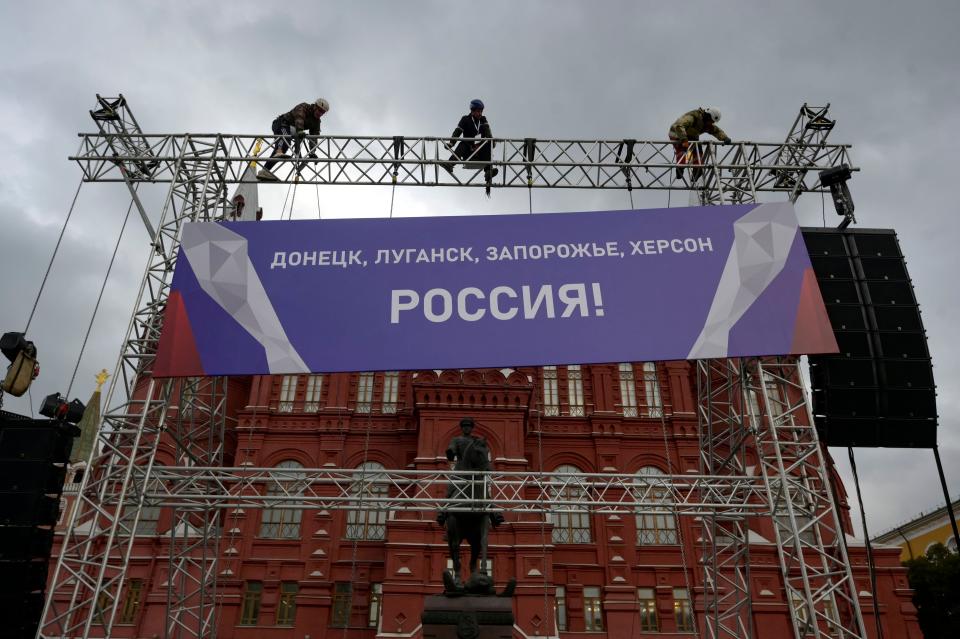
x=123 y=478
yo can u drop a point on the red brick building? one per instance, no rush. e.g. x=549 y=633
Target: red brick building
x=316 y=573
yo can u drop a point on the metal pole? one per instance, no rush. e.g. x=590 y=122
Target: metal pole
x=946 y=496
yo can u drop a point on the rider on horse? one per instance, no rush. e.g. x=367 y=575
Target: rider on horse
x=459 y=450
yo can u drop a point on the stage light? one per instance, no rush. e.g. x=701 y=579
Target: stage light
x=836 y=178
x=23 y=367
x=56 y=407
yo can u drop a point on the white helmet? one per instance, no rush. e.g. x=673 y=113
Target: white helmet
x=712 y=112
x=323 y=104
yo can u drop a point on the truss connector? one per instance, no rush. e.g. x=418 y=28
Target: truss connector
x=529 y=153
x=817 y=119
x=626 y=149
x=399 y=148
x=109 y=109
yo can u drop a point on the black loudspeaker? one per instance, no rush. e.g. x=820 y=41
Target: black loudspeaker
x=33 y=458
x=879 y=390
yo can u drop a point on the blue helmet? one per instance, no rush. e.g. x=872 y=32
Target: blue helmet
x=476 y=104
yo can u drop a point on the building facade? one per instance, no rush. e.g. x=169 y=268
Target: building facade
x=917 y=536
x=364 y=573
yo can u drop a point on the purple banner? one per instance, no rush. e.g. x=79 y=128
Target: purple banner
x=491 y=291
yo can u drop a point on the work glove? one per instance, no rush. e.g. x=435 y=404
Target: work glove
x=301 y=133
x=726 y=141
x=312 y=155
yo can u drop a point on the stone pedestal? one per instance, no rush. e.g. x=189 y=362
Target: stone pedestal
x=467 y=617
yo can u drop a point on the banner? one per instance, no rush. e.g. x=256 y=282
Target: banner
x=491 y=291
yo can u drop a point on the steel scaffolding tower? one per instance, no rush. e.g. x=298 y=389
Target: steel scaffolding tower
x=123 y=477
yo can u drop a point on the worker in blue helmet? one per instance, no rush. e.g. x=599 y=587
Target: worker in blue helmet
x=472 y=126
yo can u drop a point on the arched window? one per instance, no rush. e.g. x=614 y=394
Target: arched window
x=279 y=522
x=658 y=527
x=367 y=519
x=572 y=524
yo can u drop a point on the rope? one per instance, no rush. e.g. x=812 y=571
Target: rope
x=293 y=198
x=530 y=199
x=363 y=489
x=283 y=209
x=319 y=214
x=538 y=400
x=676 y=518
x=96 y=306
x=50 y=265
x=866 y=539
x=823 y=210
x=393 y=190
x=630 y=193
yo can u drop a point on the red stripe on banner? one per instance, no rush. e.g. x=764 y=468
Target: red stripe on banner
x=178 y=348
x=812 y=332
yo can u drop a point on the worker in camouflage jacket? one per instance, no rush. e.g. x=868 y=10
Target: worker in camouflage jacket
x=294 y=125
x=689 y=127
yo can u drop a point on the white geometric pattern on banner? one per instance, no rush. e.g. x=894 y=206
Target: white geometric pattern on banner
x=219 y=260
x=762 y=241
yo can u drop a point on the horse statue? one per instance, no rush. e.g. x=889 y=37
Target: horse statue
x=471 y=454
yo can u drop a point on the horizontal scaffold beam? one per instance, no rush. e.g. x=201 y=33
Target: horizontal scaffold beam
x=522 y=163
x=531 y=492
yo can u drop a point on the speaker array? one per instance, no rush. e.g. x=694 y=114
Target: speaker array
x=879 y=390
x=33 y=461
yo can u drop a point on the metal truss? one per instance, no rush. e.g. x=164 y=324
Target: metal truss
x=732 y=171
x=195 y=532
x=821 y=591
x=87 y=582
x=729 y=179
x=523 y=492
x=124 y=476
x=724 y=428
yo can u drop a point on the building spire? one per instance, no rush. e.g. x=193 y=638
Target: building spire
x=89 y=423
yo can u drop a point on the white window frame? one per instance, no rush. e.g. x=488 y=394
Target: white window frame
x=311 y=400
x=288 y=393
x=575 y=390
x=391 y=388
x=628 y=390
x=365 y=393
x=551 y=392
x=651 y=387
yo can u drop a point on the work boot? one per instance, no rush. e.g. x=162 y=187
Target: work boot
x=267 y=175
x=442 y=518
x=448 y=168
x=679 y=172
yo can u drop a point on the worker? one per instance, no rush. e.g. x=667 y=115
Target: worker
x=294 y=125
x=687 y=128
x=470 y=126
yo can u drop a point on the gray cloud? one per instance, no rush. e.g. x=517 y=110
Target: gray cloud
x=545 y=69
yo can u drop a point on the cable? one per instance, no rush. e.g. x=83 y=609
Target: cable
x=538 y=400
x=296 y=180
x=96 y=306
x=363 y=491
x=676 y=518
x=50 y=265
x=630 y=192
x=823 y=210
x=866 y=540
x=319 y=214
x=283 y=209
x=393 y=190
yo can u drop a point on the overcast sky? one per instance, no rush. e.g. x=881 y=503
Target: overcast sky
x=545 y=69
